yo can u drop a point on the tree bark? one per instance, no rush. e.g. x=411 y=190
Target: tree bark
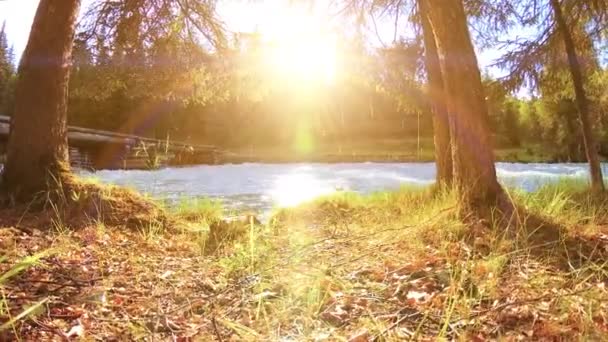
x=595 y=170
x=37 y=158
x=441 y=128
x=472 y=152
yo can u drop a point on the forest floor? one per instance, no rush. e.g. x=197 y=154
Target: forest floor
x=384 y=267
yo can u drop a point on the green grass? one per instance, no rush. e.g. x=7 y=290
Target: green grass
x=199 y=209
x=568 y=202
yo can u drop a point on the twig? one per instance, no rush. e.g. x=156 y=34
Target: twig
x=362 y=256
x=62 y=284
x=394 y=325
x=527 y=301
x=217 y=331
x=51 y=329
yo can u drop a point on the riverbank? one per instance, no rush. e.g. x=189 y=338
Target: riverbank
x=381 y=151
x=388 y=266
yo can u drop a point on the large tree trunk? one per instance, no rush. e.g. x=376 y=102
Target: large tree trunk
x=472 y=152
x=597 y=182
x=441 y=128
x=37 y=158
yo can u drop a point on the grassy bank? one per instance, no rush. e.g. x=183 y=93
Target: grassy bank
x=388 y=266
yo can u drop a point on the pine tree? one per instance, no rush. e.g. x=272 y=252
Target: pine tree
x=582 y=102
x=472 y=147
x=37 y=153
x=7 y=72
x=441 y=128
x=37 y=158
x=563 y=29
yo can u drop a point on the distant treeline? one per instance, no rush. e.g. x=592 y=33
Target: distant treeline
x=171 y=89
x=234 y=98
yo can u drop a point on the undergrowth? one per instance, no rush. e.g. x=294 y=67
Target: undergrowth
x=382 y=267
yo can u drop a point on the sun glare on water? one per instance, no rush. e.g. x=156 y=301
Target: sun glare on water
x=297 y=188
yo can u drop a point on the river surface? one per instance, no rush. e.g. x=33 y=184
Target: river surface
x=260 y=187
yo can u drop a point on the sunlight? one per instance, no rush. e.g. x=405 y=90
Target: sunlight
x=301 y=47
x=293 y=189
x=304 y=141
x=311 y=59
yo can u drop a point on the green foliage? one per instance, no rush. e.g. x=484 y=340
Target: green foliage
x=550 y=122
x=7 y=74
x=504 y=111
x=129 y=79
x=529 y=120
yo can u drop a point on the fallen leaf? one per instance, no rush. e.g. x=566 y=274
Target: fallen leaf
x=417 y=296
x=166 y=275
x=77 y=330
x=265 y=295
x=336 y=317
x=360 y=336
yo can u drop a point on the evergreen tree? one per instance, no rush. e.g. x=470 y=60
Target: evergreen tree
x=441 y=127
x=472 y=147
x=582 y=101
x=7 y=73
x=558 y=34
x=37 y=153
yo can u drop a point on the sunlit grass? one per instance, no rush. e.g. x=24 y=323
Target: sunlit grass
x=199 y=209
x=10 y=322
x=388 y=266
x=567 y=201
x=489 y=267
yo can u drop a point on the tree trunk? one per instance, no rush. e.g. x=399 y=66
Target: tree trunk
x=472 y=153
x=441 y=128
x=597 y=181
x=37 y=158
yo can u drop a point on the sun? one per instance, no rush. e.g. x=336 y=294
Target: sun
x=300 y=46
x=305 y=58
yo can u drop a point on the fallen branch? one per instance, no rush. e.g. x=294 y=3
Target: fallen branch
x=527 y=301
x=216 y=330
x=394 y=325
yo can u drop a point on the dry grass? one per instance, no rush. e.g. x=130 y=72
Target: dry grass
x=390 y=266
x=78 y=204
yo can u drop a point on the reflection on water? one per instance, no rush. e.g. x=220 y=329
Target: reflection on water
x=260 y=187
x=292 y=189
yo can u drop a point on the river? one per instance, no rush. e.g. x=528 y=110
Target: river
x=260 y=187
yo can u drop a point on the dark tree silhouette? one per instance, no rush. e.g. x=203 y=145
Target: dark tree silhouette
x=37 y=156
